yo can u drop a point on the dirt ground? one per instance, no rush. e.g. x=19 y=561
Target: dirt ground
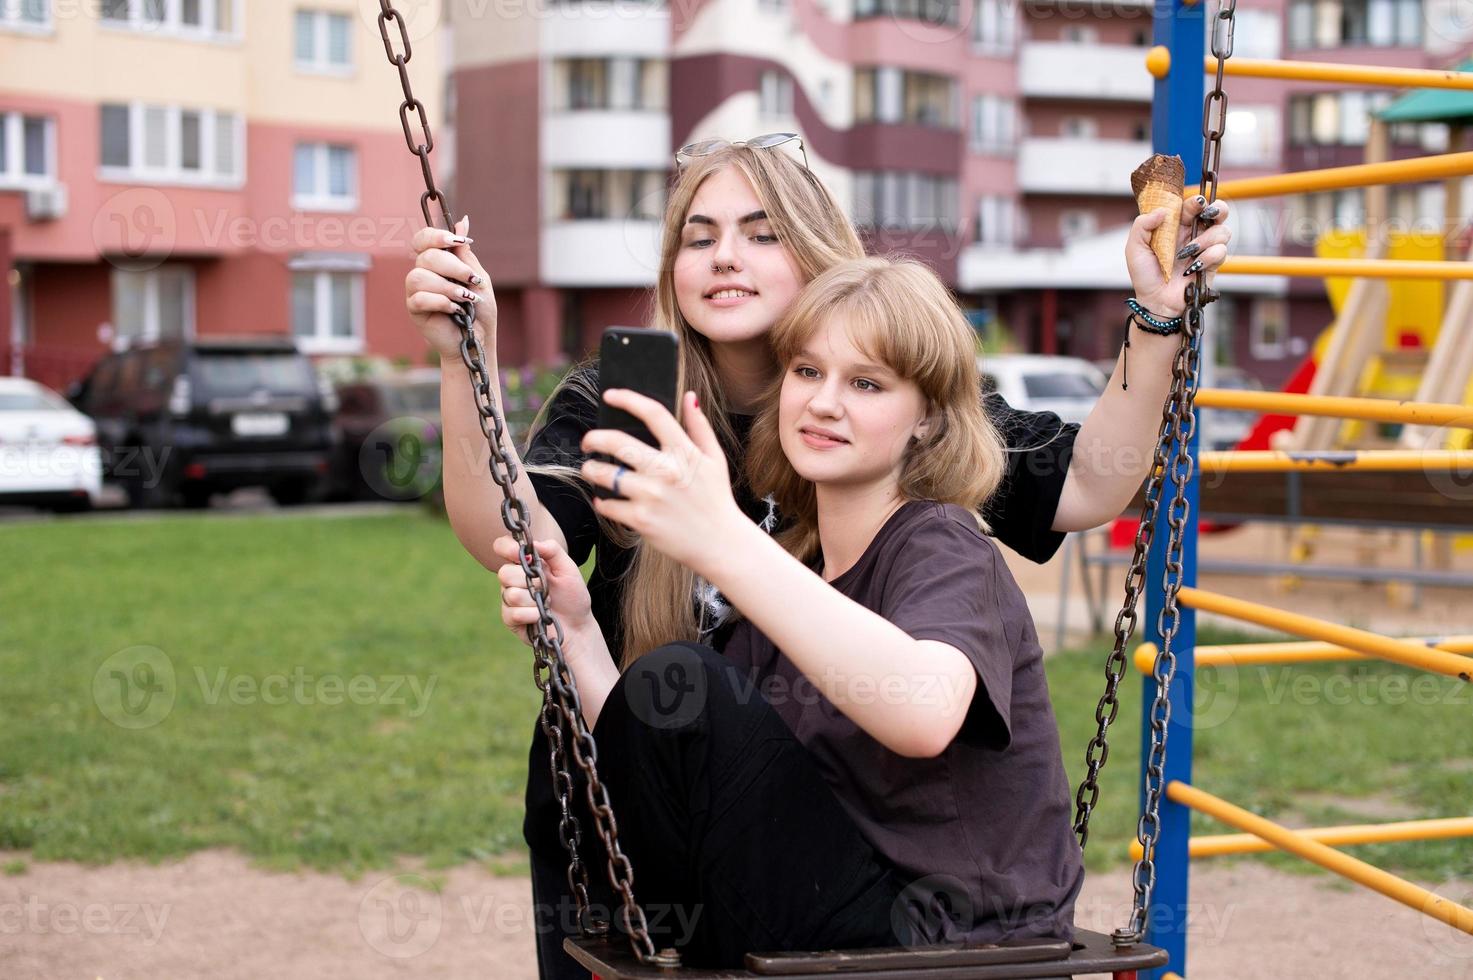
x=214 y=916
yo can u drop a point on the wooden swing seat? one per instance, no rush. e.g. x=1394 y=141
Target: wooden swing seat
x=1091 y=952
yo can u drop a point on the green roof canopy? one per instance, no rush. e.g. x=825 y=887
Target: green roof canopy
x=1432 y=104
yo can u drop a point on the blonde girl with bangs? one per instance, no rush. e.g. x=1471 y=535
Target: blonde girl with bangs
x=936 y=813
x=744 y=230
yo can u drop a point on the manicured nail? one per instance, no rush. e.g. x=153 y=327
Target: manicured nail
x=1194 y=268
x=478 y=281
x=1201 y=200
x=1211 y=212
x=695 y=399
x=460 y=240
x=466 y=294
x=1188 y=250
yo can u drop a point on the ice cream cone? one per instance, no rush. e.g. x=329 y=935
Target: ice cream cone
x=1157 y=183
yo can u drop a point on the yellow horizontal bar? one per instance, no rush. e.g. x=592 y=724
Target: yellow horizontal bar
x=1322 y=71
x=1352 y=461
x=1416 y=169
x=1424 y=901
x=1373 y=644
x=1366 y=409
x=1276 y=265
x=1306 y=652
x=1217 y=845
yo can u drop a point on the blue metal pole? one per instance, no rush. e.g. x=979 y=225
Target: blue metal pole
x=1176 y=127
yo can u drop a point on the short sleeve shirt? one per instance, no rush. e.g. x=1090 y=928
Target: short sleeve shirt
x=1020 y=513
x=984 y=828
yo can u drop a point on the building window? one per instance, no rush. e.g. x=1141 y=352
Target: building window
x=1077 y=223
x=27 y=150
x=892 y=95
x=994 y=124
x=1342 y=119
x=1268 y=331
x=606 y=195
x=1080 y=34
x=1255 y=35
x=325 y=177
x=898 y=199
x=327 y=309
x=170 y=144
x=1079 y=128
x=996 y=221
x=610 y=83
x=153 y=305
x=931 y=11
x=1340 y=23
x=324 y=42
x=1252 y=138
x=204 y=19
x=775 y=95
x=994 y=27
x=29 y=15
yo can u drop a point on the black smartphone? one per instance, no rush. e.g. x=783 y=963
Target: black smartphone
x=642 y=360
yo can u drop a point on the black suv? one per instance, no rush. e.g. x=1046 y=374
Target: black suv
x=181 y=419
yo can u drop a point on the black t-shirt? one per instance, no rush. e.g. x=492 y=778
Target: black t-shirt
x=1020 y=514
x=982 y=830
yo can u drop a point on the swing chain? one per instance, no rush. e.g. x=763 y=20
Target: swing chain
x=1185 y=372
x=562 y=709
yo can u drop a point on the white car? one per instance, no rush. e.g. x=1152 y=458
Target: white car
x=1066 y=386
x=48 y=449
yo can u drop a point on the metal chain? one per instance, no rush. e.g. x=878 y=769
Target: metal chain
x=1178 y=423
x=561 y=708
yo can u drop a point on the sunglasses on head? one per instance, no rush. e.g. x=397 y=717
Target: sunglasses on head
x=767 y=141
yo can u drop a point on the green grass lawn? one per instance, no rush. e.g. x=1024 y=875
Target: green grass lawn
x=337 y=693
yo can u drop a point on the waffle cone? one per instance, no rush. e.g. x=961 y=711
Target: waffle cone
x=1157 y=183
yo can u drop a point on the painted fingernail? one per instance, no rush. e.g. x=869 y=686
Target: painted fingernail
x=1211 y=212
x=1188 y=250
x=1201 y=200
x=460 y=240
x=1194 y=268
x=478 y=281
x=466 y=294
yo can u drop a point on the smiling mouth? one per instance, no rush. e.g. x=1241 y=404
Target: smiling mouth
x=731 y=294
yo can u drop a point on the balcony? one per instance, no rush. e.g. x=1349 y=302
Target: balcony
x=1058 y=70
x=607 y=139
x=605 y=30
x=1079 y=166
x=600 y=253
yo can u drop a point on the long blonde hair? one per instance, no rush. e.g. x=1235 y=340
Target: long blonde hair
x=901 y=315
x=810 y=224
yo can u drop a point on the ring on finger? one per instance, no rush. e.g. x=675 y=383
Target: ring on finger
x=618 y=474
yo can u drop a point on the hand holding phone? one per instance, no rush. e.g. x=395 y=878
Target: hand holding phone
x=642 y=360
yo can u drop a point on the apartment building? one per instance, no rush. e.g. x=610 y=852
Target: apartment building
x=202 y=167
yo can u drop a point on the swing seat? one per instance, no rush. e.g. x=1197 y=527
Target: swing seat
x=1091 y=952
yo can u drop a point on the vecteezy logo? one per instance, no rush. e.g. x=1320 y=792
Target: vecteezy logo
x=135 y=688
x=400 y=916
x=135 y=229
x=667 y=688
x=419 y=17
x=400 y=459
x=933 y=909
x=1451 y=476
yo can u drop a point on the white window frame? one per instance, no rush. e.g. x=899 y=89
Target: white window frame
x=1088 y=128
x=173 y=172
x=12 y=167
x=319 y=63
x=321 y=268
x=173 y=25
x=775 y=95
x=1069 y=216
x=1261 y=349
x=996 y=36
x=151 y=324
x=1004 y=213
x=11 y=21
x=1004 y=116
x=325 y=201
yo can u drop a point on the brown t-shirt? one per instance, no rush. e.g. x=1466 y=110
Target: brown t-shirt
x=981 y=833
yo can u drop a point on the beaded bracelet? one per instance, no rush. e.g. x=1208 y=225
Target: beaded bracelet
x=1151 y=324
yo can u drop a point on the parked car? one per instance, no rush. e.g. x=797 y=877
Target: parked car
x=389 y=437
x=180 y=420
x=1066 y=386
x=48 y=450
